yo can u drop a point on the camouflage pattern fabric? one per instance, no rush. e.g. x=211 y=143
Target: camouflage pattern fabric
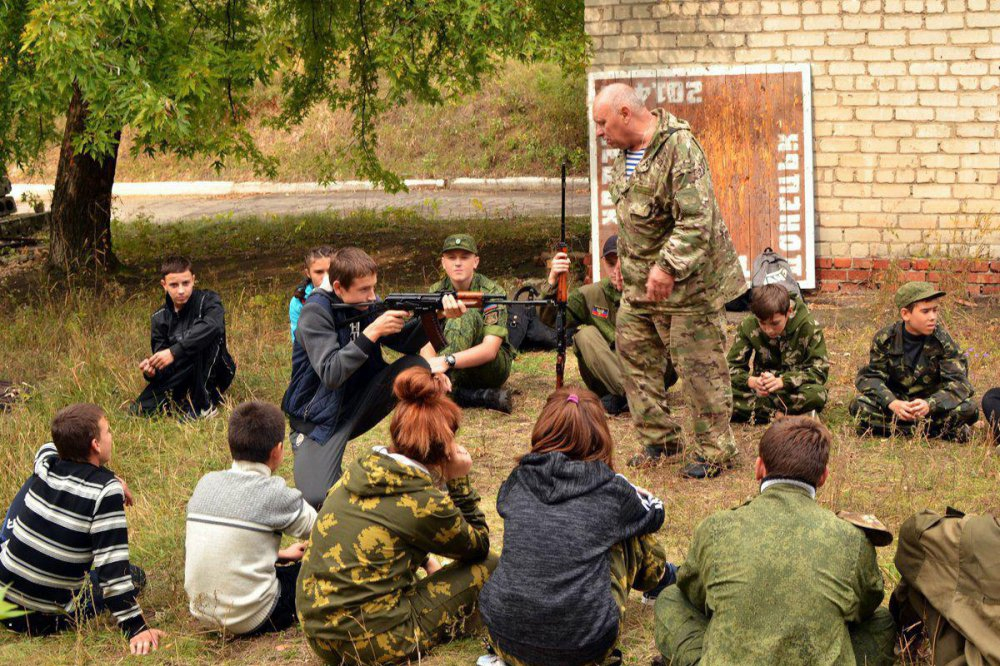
x=648 y=342
x=798 y=356
x=940 y=377
x=949 y=587
x=469 y=330
x=599 y=365
x=594 y=304
x=358 y=596
x=636 y=564
x=736 y=603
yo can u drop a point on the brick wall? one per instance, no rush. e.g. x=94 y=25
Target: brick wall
x=906 y=100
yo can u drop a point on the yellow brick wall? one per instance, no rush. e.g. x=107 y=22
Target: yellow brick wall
x=906 y=103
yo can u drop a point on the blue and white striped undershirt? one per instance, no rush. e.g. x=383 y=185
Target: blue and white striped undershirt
x=632 y=159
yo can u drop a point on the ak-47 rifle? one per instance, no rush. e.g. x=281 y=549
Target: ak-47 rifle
x=562 y=292
x=426 y=306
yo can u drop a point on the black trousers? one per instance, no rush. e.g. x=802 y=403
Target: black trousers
x=991 y=410
x=192 y=384
x=318 y=464
x=283 y=616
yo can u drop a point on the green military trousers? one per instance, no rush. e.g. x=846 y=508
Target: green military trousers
x=636 y=564
x=881 y=422
x=748 y=407
x=648 y=342
x=465 y=332
x=600 y=367
x=443 y=606
x=679 y=630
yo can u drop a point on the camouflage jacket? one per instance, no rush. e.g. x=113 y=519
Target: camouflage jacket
x=780 y=577
x=376 y=528
x=668 y=215
x=593 y=304
x=494 y=317
x=798 y=355
x=941 y=375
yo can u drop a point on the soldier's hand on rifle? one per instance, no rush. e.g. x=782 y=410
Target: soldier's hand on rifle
x=659 y=284
x=560 y=265
x=389 y=322
x=452 y=308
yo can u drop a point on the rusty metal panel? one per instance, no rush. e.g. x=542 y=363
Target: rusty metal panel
x=755 y=125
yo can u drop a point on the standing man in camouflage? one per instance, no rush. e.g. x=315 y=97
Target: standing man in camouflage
x=593 y=309
x=478 y=353
x=679 y=268
x=917 y=377
x=780 y=580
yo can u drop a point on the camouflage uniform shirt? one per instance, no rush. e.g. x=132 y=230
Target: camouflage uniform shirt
x=668 y=216
x=491 y=320
x=780 y=577
x=376 y=528
x=798 y=355
x=593 y=304
x=940 y=376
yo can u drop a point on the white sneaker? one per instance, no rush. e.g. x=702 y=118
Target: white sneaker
x=490 y=660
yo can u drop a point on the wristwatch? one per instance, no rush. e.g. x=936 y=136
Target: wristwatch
x=450 y=360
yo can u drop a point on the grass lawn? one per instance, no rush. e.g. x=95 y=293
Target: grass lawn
x=84 y=343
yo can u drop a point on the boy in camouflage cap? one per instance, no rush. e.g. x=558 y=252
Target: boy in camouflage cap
x=779 y=580
x=478 y=351
x=778 y=363
x=916 y=376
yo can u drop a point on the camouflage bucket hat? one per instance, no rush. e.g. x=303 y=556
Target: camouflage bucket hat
x=873 y=528
x=460 y=242
x=911 y=292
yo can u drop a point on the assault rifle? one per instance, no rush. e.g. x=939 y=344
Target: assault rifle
x=426 y=306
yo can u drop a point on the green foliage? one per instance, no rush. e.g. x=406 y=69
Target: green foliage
x=7 y=609
x=185 y=76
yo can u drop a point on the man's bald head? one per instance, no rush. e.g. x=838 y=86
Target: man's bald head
x=621 y=117
x=619 y=96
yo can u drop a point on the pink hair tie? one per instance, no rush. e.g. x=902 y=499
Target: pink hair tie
x=573 y=398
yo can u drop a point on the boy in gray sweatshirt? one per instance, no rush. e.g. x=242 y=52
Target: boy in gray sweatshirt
x=236 y=578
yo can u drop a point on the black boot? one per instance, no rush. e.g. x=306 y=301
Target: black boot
x=614 y=404
x=496 y=399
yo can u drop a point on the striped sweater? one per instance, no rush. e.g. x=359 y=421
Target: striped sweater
x=74 y=519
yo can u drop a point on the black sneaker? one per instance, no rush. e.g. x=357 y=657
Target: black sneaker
x=614 y=404
x=702 y=469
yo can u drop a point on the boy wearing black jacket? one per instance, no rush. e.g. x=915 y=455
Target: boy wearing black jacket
x=341 y=387
x=190 y=366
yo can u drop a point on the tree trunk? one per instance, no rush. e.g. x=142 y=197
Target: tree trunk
x=80 y=223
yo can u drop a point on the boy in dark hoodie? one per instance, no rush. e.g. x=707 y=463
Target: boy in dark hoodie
x=577 y=538
x=190 y=367
x=778 y=363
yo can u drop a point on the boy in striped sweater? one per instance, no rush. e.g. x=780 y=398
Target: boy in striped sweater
x=67 y=524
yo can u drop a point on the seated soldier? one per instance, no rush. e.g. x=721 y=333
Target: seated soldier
x=190 y=366
x=592 y=310
x=779 y=580
x=778 y=363
x=478 y=352
x=916 y=375
x=341 y=387
x=991 y=412
x=949 y=587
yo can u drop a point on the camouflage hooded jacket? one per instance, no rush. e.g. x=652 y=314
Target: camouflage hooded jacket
x=376 y=528
x=668 y=216
x=941 y=375
x=798 y=355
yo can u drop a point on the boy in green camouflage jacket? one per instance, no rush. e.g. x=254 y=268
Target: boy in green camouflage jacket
x=359 y=598
x=778 y=362
x=917 y=376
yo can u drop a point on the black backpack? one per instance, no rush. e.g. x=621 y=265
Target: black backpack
x=525 y=331
x=768 y=268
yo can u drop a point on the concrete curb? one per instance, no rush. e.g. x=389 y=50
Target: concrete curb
x=221 y=188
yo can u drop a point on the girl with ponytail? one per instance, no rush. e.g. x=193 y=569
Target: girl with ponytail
x=577 y=538
x=317 y=265
x=359 y=596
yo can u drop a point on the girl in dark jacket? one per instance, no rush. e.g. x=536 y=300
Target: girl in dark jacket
x=577 y=538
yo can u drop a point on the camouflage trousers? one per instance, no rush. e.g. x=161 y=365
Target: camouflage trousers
x=636 y=564
x=648 y=344
x=679 y=630
x=600 y=367
x=443 y=606
x=748 y=407
x=466 y=332
x=881 y=422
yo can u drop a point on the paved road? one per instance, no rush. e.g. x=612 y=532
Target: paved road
x=444 y=203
